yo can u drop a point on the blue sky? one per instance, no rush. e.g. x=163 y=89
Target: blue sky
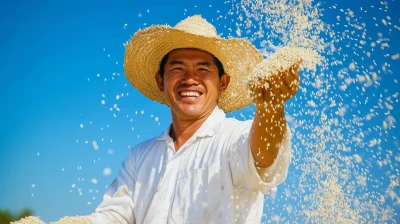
x=58 y=60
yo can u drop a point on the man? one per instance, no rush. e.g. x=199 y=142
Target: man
x=205 y=168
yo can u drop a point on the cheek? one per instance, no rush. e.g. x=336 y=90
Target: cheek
x=213 y=86
x=169 y=87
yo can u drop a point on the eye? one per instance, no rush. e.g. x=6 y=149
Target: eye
x=204 y=70
x=177 y=69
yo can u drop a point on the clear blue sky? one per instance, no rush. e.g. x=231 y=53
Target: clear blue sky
x=58 y=59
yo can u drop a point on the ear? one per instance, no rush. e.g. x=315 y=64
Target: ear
x=159 y=81
x=224 y=82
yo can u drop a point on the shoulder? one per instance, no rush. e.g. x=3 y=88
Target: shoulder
x=232 y=129
x=233 y=125
x=145 y=144
x=143 y=148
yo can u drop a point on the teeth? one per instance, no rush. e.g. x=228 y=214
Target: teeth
x=184 y=93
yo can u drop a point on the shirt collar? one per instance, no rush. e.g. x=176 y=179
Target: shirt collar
x=209 y=128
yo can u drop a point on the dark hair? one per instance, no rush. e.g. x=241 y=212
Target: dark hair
x=217 y=62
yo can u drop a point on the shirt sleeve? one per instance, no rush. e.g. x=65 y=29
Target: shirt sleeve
x=246 y=175
x=117 y=205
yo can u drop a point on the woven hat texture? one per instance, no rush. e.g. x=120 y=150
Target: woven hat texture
x=147 y=47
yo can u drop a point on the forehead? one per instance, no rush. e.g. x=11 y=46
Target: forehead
x=188 y=53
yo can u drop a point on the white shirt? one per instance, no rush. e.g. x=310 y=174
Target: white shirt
x=211 y=179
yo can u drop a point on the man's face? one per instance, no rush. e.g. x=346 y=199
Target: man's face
x=191 y=84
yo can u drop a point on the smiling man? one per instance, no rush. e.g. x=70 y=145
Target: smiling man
x=191 y=81
x=205 y=168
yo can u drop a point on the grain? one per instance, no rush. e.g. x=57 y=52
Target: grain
x=282 y=60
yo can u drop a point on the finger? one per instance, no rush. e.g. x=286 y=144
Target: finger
x=285 y=91
x=291 y=80
x=288 y=79
x=299 y=61
x=294 y=69
x=275 y=83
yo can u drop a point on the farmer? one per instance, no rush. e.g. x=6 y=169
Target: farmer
x=205 y=168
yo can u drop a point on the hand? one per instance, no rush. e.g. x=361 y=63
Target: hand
x=273 y=92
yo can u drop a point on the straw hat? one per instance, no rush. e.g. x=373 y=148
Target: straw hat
x=147 y=47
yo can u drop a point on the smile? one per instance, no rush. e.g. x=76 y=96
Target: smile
x=189 y=93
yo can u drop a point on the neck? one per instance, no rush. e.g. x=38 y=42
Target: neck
x=184 y=127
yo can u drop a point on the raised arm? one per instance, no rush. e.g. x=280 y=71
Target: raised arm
x=269 y=125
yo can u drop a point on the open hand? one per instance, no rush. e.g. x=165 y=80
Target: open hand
x=273 y=92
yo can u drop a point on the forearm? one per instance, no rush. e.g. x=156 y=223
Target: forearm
x=266 y=135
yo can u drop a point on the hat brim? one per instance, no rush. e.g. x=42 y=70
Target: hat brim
x=147 y=47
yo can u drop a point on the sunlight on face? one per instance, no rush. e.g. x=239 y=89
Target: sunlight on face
x=191 y=84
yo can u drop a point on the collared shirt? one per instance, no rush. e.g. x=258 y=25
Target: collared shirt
x=210 y=179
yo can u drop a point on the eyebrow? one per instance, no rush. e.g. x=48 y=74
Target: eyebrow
x=176 y=62
x=204 y=63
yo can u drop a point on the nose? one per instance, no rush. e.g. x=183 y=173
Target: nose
x=190 y=78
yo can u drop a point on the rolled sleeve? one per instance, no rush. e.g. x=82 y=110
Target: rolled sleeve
x=246 y=175
x=117 y=205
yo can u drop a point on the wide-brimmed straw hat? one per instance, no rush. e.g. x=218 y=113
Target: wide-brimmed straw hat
x=147 y=47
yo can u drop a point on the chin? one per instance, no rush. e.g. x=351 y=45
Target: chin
x=190 y=110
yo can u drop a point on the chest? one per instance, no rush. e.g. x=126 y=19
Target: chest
x=186 y=171
x=162 y=158
x=187 y=183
